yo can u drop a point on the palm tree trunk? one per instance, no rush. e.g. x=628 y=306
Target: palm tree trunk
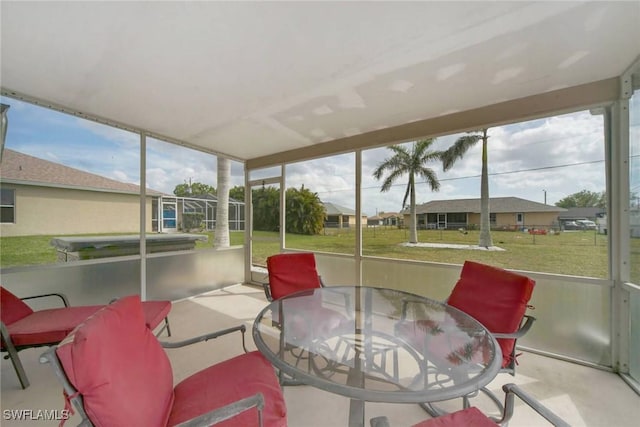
x=413 y=231
x=485 y=226
x=221 y=239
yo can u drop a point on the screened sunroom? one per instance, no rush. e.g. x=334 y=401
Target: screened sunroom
x=311 y=95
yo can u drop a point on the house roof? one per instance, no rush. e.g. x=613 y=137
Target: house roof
x=388 y=214
x=254 y=80
x=384 y=215
x=496 y=205
x=333 y=209
x=20 y=168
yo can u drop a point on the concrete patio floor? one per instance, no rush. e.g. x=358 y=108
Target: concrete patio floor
x=581 y=395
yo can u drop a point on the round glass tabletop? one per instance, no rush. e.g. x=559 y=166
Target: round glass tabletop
x=376 y=344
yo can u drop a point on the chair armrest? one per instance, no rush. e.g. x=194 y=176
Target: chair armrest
x=512 y=390
x=524 y=328
x=207 y=337
x=229 y=411
x=267 y=291
x=70 y=393
x=379 y=422
x=63 y=297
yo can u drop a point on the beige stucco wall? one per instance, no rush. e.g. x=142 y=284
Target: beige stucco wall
x=531 y=219
x=508 y=220
x=47 y=210
x=352 y=220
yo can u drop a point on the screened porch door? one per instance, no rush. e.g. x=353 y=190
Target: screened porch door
x=169 y=215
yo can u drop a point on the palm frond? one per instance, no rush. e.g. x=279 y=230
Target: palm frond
x=431 y=177
x=458 y=149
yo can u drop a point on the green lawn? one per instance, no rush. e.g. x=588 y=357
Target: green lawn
x=581 y=253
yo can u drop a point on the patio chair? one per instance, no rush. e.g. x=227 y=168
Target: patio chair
x=23 y=328
x=474 y=417
x=115 y=372
x=495 y=297
x=291 y=272
x=296 y=272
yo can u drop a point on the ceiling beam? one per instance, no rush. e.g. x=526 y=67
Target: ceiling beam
x=560 y=101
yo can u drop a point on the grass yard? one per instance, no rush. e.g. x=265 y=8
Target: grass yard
x=574 y=253
x=581 y=253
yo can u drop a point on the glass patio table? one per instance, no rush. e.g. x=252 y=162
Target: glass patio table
x=376 y=345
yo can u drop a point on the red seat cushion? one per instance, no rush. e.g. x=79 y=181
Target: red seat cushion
x=228 y=381
x=12 y=308
x=290 y=273
x=470 y=417
x=155 y=312
x=119 y=367
x=49 y=326
x=495 y=297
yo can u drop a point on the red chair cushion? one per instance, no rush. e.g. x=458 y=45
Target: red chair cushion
x=155 y=312
x=290 y=273
x=49 y=326
x=119 y=367
x=470 y=417
x=12 y=308
x=495 y=297
x=226 y=382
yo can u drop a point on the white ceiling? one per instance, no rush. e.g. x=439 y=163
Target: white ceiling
x=249 y=79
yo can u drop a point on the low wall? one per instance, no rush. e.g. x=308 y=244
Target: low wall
x=170 y=275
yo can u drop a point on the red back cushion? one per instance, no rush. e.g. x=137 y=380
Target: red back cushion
x=12 y=308
x=290 y=273
x=119 y=367
x=495 y=297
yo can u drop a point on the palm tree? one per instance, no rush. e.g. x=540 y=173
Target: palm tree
x=412 y=163
x=457 y=151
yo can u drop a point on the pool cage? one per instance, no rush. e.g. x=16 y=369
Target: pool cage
x=196 y=213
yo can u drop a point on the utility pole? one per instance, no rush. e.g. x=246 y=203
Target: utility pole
x=545 y=196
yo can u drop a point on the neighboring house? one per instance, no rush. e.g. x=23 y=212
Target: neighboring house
x=40 y=197
x=337 y=216
x=506 y=213
x=392 y=219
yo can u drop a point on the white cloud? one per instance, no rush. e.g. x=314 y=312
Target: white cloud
x=515 y=151
x=126 y=138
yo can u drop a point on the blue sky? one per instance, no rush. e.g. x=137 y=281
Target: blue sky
x=558 y=155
